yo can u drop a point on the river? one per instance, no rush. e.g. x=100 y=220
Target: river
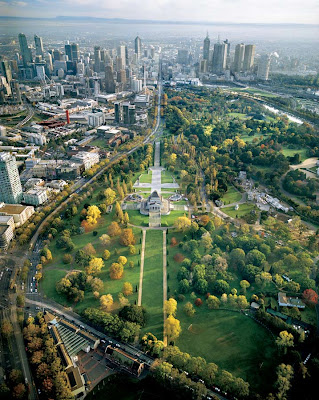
x=279 y=112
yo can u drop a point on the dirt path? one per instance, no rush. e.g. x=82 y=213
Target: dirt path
x=164 y=283
x=140 y=287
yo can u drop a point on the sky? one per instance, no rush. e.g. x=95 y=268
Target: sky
x=234 y=11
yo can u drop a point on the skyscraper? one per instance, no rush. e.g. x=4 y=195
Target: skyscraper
x=263 y=67
x=38 y=46
x=206 y=48
x=239 y=57
x=75 y=52
x=97 y=58
x=219 y=58
x=10 y=184
x=109 y=79
x=25 y=50
x=138 y=46
x=68 y=51
x=249 y=57
x=121 y=52
x=6 y=70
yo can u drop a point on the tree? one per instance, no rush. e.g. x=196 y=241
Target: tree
x=172 y=328
x=182 y=224
x=126 y=218
x=127 y=289
x=106 y=302
x=242 y=302
x=255 y=257
x=118 y=212
x=237 y=256
x=212 y=302
x=110 y=196
x=206 y=241
x=97 y=284
x=285 y=340
x=244 y=285
x=105 y=239
x=201 y=286
x=196 y=365
x=183 y=286
x=67 y=258
x=114 y=229
x=20 y=300
x=284 y=375
x=310 y=296
x=106 y=255
x=170 y=306
x=6 y=328
x=93 y=214
x=19 y=391
x=134 y=313
x=116 y=271
x=89 y=249
x=220 y=286
x=122 y=260
x=95 y=266
x=127 y=237
x=262 y=278
x=189 y=309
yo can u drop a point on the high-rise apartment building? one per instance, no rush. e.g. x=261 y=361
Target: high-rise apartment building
x=6 y=70
x=38 y=46
x=25 y=50
x=10 y=184
x=206 y=48
x=249 y=57
x=138 y=46
x=219 y=58
x=263 y=67
x=239 y=57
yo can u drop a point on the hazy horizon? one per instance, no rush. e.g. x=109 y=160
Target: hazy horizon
x=222 y=11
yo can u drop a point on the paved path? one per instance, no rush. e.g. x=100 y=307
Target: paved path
x=140 y=287
x=164 y=284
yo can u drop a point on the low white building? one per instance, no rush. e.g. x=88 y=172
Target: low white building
x=35 y=196
x=20 y=213
x=86 y=158
x=56 y=184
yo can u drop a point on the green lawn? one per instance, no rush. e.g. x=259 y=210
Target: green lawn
x=231 y=340
x=249 y=139
x=166 y=177
x=291 y=152
x=168 y=220
x=54 y=271
x=254 y=91
x=243 y=210
x=231 y=196
x=146 y=178
x=152 y=295
x=136 y=218
x=237 y=115
x=99 y=142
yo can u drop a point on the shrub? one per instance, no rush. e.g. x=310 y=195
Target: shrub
x=198 y=302
x=179 y=257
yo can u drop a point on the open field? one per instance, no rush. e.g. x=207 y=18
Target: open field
x=152 y=295
x=237 y=115
x=99 y=142
x=291 y=152
x=146 y=178
x=254 y=91
x=243 y=210
x=56 y=270
x=233 y=341
x=166 y=177
x=231 y=196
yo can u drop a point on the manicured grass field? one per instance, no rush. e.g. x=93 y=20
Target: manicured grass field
x=254 y=91
x=136 y=218
x=152 y=295
x=166 y=177
x=146 y=178
x=249 y=139
x=168 y=220
x=243 y=210
x=230 y=339
x=291 y=152
x=231 y=196
x=99 y=142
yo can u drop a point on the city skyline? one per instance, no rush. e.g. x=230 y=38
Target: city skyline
x=223 y=11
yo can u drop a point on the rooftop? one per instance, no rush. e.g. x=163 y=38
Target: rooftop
x=12 y=208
